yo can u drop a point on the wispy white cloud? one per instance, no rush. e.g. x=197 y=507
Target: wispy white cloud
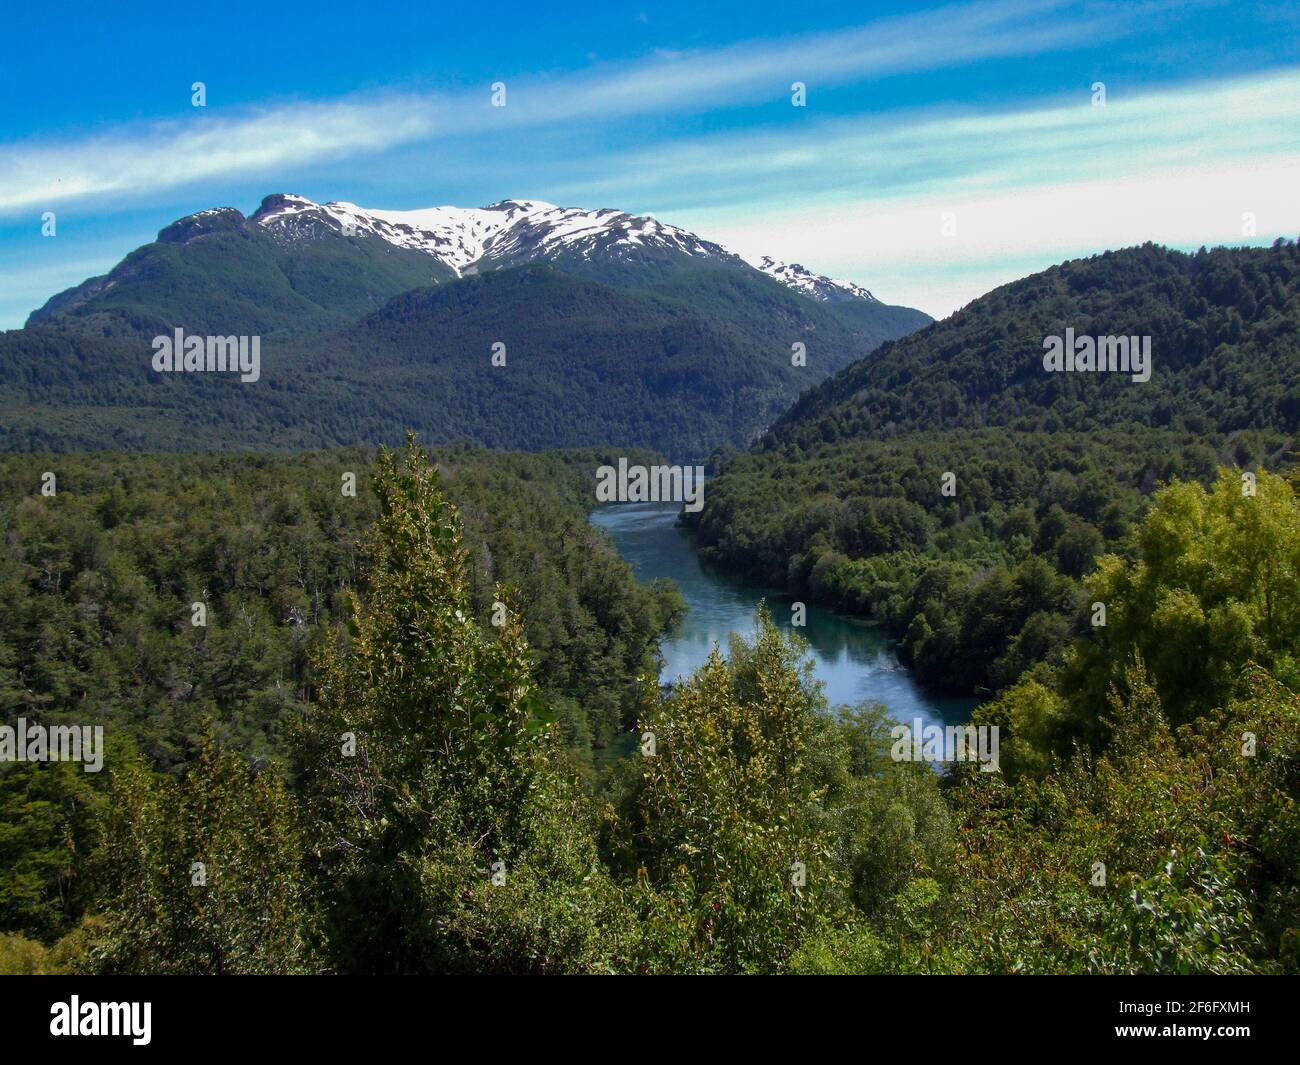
x=866 y=199
x=1037 y=143
x=134 y=161
x=765 y=70
x=897 y=245
x=858 y=196
x=167 y=155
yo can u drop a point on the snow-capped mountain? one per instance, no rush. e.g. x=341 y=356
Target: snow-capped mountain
x=618 y=327
x=513 y=232
x=801 y=279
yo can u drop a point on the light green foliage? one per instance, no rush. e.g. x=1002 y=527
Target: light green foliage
x=1197 y=826
x=763 y=821
x=1197 y=840
x=1032 y=715
x=1217 y=588
x=730 y=806
x=203 y=874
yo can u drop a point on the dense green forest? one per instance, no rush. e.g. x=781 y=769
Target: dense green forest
x=680 y=367
x=361 y=339
x=425 y=779
x=99 y=582
x=951 y=489
x=977 y=586
x=435 y=702
x=1224 y=327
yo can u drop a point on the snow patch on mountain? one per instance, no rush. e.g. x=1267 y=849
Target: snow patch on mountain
x=516 y=231
x=801 y=279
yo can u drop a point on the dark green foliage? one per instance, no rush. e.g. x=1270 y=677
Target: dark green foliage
x=678 y=365
x=99 y=580
x=214 y=274
x=1225 y=329
x=47 y=810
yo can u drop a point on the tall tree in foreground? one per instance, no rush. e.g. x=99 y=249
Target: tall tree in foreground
x=448 y=836
x=730 y=827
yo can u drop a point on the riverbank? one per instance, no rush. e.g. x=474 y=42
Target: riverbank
x=852 y=658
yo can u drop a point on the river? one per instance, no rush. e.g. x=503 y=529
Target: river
x=852 y=658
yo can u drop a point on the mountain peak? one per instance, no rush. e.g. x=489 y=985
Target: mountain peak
x=521 y=206
x=509 y=232
x=817 y=286
x=213 y=220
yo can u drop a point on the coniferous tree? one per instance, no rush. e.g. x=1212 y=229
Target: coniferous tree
x=449 y=835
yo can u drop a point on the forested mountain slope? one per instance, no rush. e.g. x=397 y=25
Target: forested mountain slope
x=1225 y=339
x=607 y=328
x=950 y=487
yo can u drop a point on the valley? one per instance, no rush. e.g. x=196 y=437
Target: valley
x=669 y=490
x=603 y=669
x=853 y=659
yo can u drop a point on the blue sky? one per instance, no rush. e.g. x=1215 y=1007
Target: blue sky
x=943 y=149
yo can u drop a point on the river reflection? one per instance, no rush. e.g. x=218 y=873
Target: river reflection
x=852 y=659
